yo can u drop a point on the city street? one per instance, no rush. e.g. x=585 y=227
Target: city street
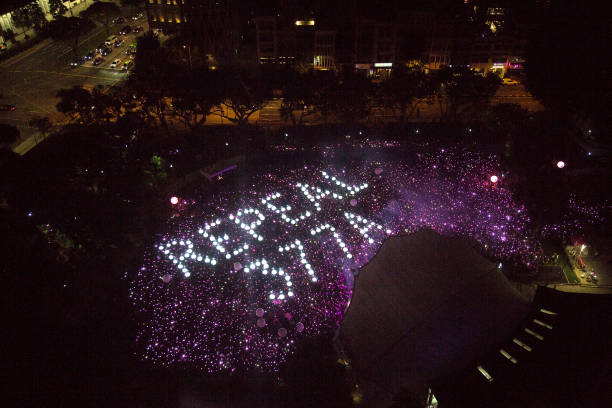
x=31 y=79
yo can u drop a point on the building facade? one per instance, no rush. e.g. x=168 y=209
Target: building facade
x=209 y=24
x=7 y=10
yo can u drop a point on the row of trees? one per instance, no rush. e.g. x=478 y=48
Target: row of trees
x=162 y=91
x=67 y=29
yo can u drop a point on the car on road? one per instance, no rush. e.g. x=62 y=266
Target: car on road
x=110 y=39
x=118 y=42
x=125 y=30
x=77 y=62
x=90 y=55
x=138 y=29
x=105 y=51
x=119 y=20
x=509 y=81
x=98 y=61
x=131 y=50
x=589 y=279
x=127 y=65
x=137 y=16
x=7 y=108
x=115 y=63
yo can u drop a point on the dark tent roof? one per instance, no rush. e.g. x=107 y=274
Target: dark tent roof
x=426 y=305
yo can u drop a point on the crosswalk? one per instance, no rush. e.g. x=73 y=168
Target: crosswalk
x=269 y=115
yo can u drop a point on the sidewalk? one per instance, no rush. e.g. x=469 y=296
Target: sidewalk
x=580 y=288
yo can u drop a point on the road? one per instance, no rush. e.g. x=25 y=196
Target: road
x=31 y=79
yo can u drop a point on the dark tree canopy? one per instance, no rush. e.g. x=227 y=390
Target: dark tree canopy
x=462 y=91
x=8 y=134
x=102 y=11
x=567 y=57
x=70 y=30
x=57 y=8
x=30 y=16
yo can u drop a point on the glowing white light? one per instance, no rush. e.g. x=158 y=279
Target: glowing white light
x=560 y=164
x=174 y=200
x=494 y=179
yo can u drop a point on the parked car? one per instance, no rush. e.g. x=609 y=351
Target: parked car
x=105 y=51
x=131 y=49
x=100 y=47
x=137 y=15
x=119 y=20
x=127 y=65
x=90 y=55
x=118 y=42
x=110 y=39
x=138 y=29
x=115 y=63
x=77 y=62
x=125 y=30
x=98 y=61
x=7 y=108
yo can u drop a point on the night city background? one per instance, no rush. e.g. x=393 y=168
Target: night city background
x=283 y=203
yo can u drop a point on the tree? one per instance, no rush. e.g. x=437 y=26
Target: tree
x=147 y=54
x=57 y=8
x=70 y=30
x=347 y=98
x=298 y=96
x=42 y=123
x=28 y=16
x=404 y=91
x=102 y=11
x=9 y=134
x=194 y=94
x=132 y=3
x=151 y=79
x=76 y=103
x=8 y=34
x=461 y=90
x=576 y=94
x=244 y=93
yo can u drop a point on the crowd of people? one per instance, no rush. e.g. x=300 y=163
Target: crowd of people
x=244 y=275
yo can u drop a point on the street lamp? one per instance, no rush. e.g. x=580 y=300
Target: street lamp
x=174 y=200
x=560 y=164
x=494 y=179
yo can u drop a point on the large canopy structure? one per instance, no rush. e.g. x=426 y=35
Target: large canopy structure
x=426 y=305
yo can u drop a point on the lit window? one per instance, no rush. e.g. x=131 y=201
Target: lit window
x=177 y=19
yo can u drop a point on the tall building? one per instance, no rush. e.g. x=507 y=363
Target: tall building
x=440 y=46
x=209 y=24
x=375 y=46
x=325 y=50
x=286 y=40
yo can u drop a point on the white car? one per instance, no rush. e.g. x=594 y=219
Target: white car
x=115 y=63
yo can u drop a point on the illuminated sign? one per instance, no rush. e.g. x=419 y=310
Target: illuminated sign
x=304 y=22
x=383 y=64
